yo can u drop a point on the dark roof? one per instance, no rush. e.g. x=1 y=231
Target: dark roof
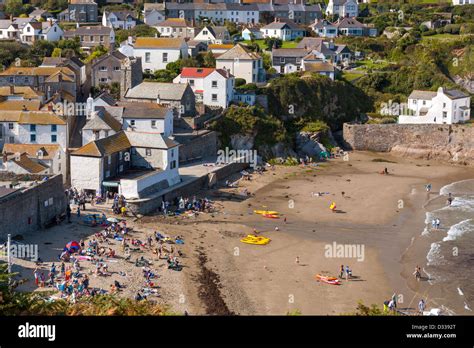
x=281 y=23
x=95 y=30
x=289 y=52
x=122 y=15
x=106 y=97
x=455 y=94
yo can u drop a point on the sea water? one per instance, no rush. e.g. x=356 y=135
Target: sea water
x=450 y=259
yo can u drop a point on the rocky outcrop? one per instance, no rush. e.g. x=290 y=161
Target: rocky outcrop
x=242 y=142
x=449 y=143
x=310 y=143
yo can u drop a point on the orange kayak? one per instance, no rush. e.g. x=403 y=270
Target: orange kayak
x=271 y=216
x=327 y=280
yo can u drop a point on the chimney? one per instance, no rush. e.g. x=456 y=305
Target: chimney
x=158 y=101
x=77 y=25
x=130 y=40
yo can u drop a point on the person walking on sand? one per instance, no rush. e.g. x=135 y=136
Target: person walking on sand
x=421 y=306
x=438 y=223
x=417 y=273
x=36 y=274
x=341 y=273
x=297 y=261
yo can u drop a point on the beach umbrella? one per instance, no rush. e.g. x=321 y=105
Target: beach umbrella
x=113 y=220
x=72 y=246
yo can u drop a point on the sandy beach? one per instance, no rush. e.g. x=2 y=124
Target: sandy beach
x=381 y=215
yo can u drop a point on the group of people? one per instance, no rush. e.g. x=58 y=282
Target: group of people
x=185 y=204
x=345 y=272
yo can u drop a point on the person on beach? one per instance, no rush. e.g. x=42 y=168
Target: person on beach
x=428 y=187
x=78 y=212
x=438 y=223
x=297 y=261
x=417 y=273
x=394 y=299
x=348 y=271
x=421 y=306
x=450 y=199
x=433 y=223
x=341 y=273
x=391 y=305
x=36 y=274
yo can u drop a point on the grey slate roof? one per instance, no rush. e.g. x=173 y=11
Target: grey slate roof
x=94 y=30
x=150 y=140
x=143 y=110
x=289 y=52
x=455 y=94
x=151 y=90
x=282 y=23
x=426 y=95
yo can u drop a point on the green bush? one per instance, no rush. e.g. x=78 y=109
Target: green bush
x=240 y=82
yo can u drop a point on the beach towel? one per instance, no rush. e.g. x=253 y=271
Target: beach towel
x=179 y=241
x=118 y=238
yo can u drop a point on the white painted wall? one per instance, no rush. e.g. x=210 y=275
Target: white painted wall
x=43 y=134
x=241 y=68
x=86 y=172
x=156 y=56
x=163 y=126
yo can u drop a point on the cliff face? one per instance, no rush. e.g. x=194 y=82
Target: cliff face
x=450 y=143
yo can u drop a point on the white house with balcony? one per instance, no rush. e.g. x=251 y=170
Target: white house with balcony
x=212 y=87
x=440 y=107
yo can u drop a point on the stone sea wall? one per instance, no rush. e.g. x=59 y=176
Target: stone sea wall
x=448 y=143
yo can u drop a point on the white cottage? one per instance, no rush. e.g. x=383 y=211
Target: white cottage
x=440 y=107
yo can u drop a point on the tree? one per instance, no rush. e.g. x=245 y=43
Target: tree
x=272 y=43
x=209 y=60
x=41 y=49
x=13 y=7
x=56 y=52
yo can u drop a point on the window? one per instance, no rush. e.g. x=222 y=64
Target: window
x=172 y=164
x=116 y=68
x=214 y=97
x=147 y=57
x=54 y=138
x=32 y=128
x=132 y=122
x=104 y=79
x=282 y=60
x=107 y=173
x=148 y=152
x=153 y=124
x=165 y=57
x=191 y=83
x=32 y=138
x=109 y=160
x=444 y=105
x=11 y=140
x=445 y=114
x=103 y=68
x=424 y=102
x=10 y=126
x=120 y=155
x=214 y=84
x=106 y=133
x=101 y=38
x=121 y=168
x=91 y=38
x=54 y=128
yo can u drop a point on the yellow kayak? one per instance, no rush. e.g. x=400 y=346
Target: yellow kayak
x=257 y=240
x=266 y=212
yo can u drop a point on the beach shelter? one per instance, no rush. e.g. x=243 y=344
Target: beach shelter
x=72 y=246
